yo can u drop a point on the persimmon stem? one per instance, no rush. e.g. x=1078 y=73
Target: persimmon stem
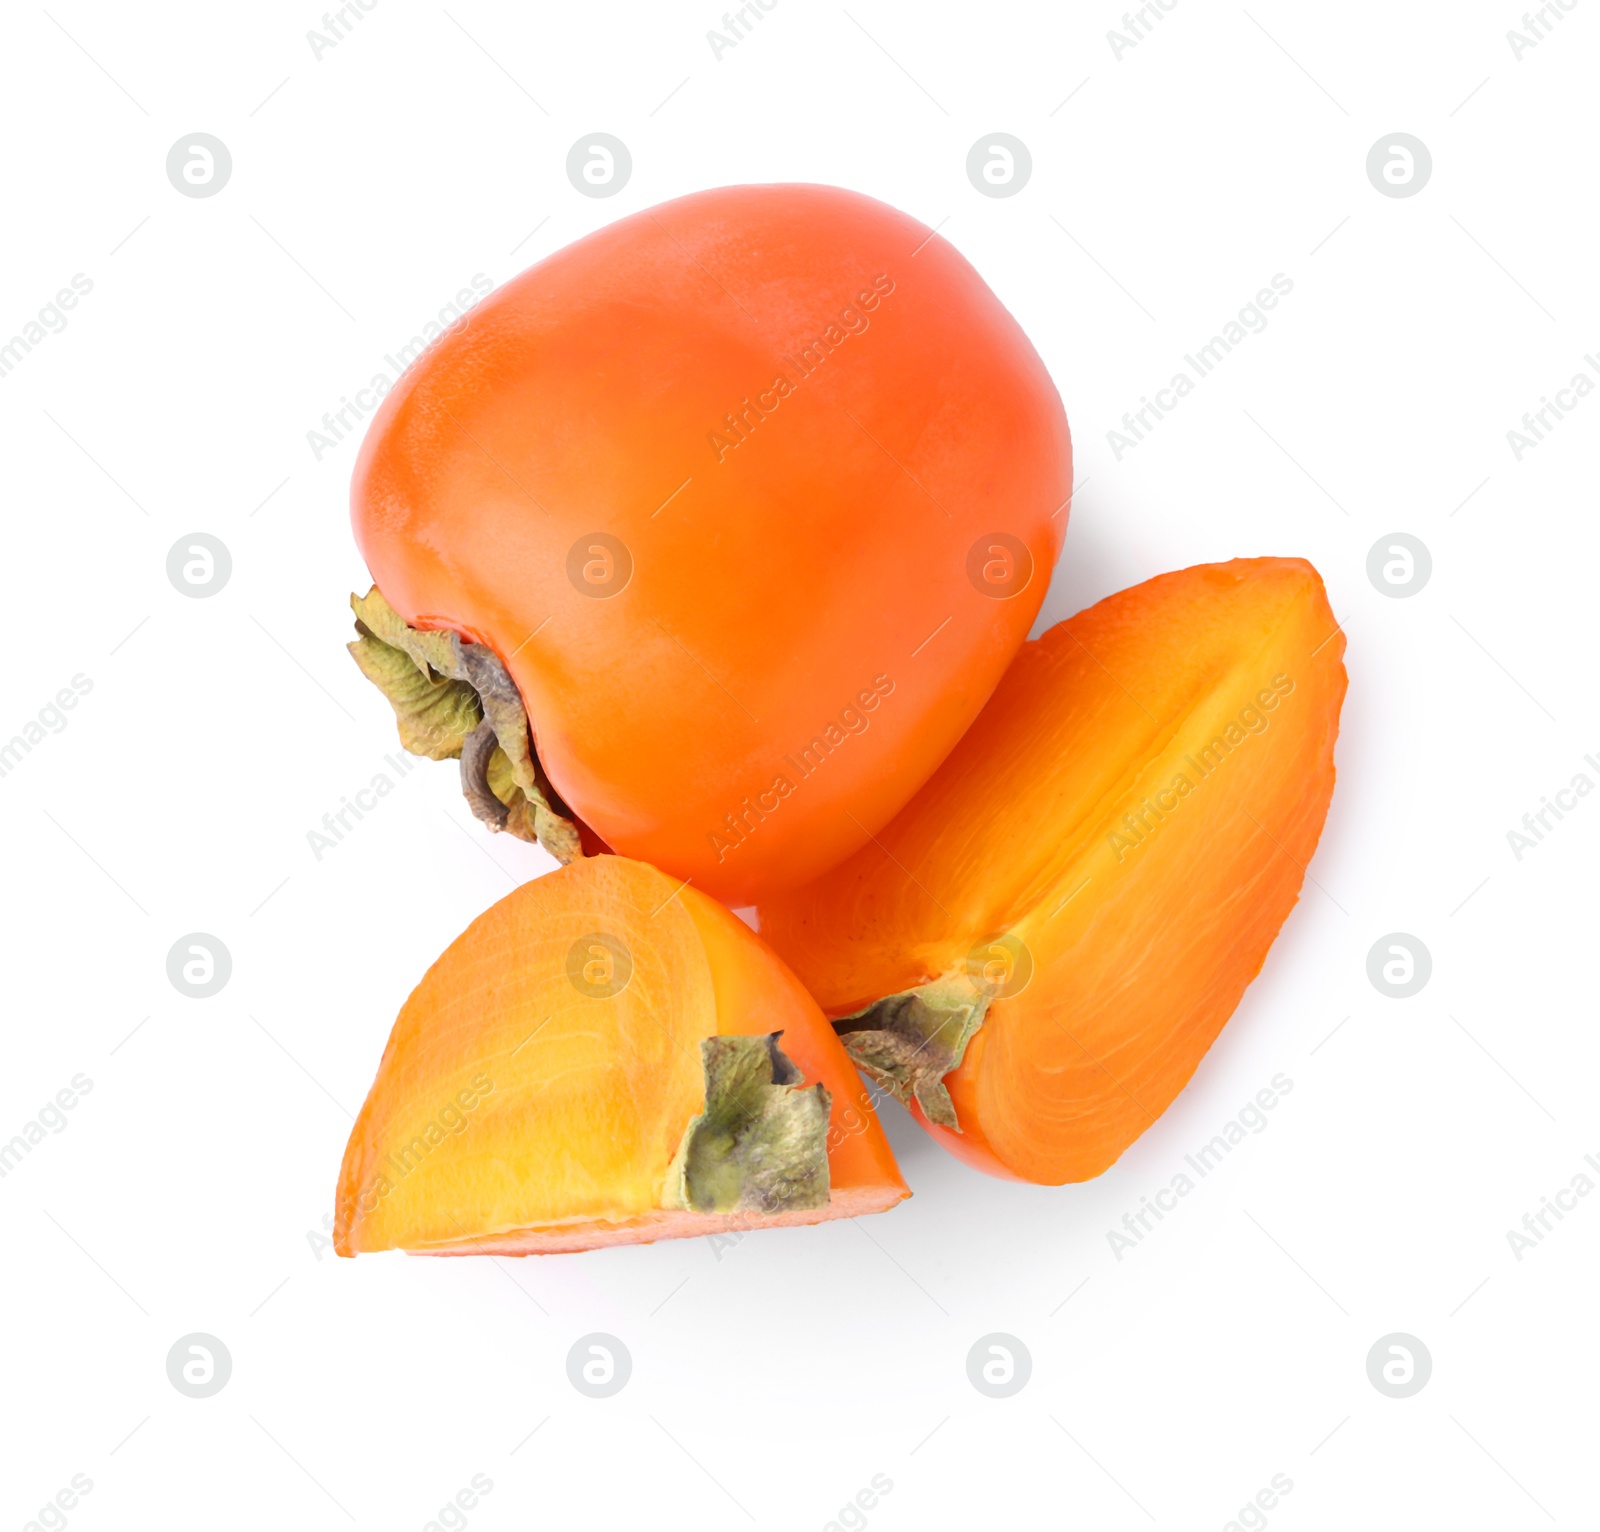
x=476 y=751
x=909 y=1042
x=761 y=1144
x=456 y=700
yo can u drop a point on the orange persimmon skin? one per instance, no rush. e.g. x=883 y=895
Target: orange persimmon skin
x=1141 y=937
x=515 y=1112
x=755 y=993
x=798 y=526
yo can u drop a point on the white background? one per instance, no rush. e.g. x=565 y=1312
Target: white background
x=770 y=1385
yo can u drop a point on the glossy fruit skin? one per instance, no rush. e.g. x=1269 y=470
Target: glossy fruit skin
x=792 y=529
x=1140 y=937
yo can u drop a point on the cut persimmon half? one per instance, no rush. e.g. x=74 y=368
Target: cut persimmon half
x=1037 y=951
x=607 y=1057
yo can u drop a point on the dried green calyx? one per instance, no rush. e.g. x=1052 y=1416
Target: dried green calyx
x=909 y=1042
x=761 y=1144
x=456 y=701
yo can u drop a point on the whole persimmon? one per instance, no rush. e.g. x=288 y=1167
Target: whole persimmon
x=706 y=538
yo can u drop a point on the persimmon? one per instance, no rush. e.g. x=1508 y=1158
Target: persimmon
x=607 y=1057
x=1036 y=952
x=739 y=507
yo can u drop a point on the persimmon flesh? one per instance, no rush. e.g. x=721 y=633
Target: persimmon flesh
x=1038 y=950
x=607 y=1057
x=754 y=495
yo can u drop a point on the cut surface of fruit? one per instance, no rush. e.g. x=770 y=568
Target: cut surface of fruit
x=607 y=1057
x=1067 y=913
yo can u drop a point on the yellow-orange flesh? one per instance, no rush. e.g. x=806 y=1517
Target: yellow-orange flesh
x=1133 y=811
x=543 y=1074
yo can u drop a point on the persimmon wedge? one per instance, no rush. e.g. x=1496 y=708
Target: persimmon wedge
x=602 y=1058
x=705 y=539
x=1037 y=951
